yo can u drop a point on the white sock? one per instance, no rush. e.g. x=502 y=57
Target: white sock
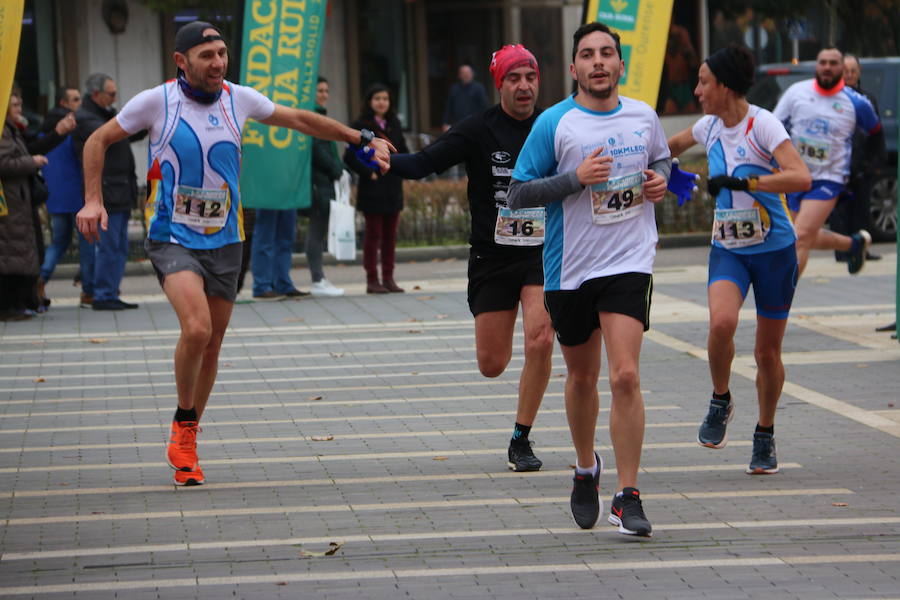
x=592 y=471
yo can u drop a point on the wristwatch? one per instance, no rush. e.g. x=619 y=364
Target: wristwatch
x=365 y=137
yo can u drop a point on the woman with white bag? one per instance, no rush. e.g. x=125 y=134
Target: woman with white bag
x=326 y=171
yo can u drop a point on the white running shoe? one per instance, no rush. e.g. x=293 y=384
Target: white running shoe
x=325 y=288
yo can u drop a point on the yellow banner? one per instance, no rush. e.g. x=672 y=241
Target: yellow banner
x=643 y=27
x=10 y=30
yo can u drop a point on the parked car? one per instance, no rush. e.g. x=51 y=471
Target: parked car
x=881 y=78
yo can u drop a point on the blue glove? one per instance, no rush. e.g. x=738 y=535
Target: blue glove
x=682 y=183
x=365 y=155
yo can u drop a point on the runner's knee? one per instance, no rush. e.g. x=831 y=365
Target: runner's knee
x=624 y=381
x=767 y=358
x=723 y=327
x=196 y=332
x=539 y=343
x=492 y=364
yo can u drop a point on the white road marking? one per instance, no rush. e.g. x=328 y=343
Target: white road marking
x=345 y=575
x=399 y=506
x=276 y=484
x=435 y=535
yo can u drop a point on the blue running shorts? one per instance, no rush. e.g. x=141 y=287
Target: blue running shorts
x=821 y=189
x=773 y=275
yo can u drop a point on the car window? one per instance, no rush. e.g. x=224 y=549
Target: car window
x=768 y=88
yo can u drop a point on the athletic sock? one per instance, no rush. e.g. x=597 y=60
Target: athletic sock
x=855 y=241
x=761 y=429
x=185 y=415
x=726 y=396
x=592 y=470
x=520 y=432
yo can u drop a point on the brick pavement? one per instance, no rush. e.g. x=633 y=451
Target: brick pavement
x=413 y=481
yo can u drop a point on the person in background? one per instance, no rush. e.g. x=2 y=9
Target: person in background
x=19 y=266
x=379 y=197
x=327 y=168
x=64 y=181
x=467 y=97
x=852 y=211
x=103 y=278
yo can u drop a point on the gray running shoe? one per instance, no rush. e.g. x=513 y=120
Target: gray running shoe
x=714 y=429
x=521 y=457
x=857 y=260
x=763 y=461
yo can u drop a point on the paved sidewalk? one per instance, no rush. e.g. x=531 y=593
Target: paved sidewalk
x=360 y=425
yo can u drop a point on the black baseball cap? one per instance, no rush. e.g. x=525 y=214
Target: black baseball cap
x=192 y=35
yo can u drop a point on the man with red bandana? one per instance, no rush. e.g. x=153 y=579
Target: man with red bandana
x=821 y=115
x=505 y=267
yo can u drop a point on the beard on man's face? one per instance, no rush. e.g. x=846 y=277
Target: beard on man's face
x=827 y=83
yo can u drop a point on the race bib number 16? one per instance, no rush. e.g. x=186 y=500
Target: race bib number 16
x=618 y=199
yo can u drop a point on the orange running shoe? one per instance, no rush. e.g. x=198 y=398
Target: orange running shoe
x=181 y=453
x=188 y=478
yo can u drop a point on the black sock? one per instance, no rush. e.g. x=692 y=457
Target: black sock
x=185 y=415
x=761 y=429
x=521 y=432
x=726 y=396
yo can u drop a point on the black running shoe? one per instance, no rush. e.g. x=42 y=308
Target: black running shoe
x=585 y=502
x=763 y=461
x=628 y=513
x=521 y=458
x=714 y=429
x=857 y=260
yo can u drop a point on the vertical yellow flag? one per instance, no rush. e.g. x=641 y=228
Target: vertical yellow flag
x=10 y=30
x=643 y=27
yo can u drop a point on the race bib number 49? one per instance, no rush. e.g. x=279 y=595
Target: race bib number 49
x=618 y=199
x=738 y=227
x=199 y=207
x=523 y=227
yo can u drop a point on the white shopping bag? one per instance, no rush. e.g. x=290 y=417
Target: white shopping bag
x=342 y=222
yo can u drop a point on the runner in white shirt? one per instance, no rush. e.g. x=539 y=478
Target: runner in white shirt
x=821 y=115
x=194 y=209
x=598 y=161
x=752 y=164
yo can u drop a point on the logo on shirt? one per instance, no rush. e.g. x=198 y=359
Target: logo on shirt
x=837 y=107
x=639 y=132
x=742 y=152
x=611 y=141
x=213 y=120
x=817 y=127
x=501 y=157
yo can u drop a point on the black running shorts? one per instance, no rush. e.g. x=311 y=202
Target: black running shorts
x=575 y=313
x=219 y=267
x=496 y=283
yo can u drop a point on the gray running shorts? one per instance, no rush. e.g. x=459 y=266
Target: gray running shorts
x=219 y=267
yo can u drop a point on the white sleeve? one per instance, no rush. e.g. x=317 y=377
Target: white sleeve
x=252 y=103
x=700 y=130
x=769 y=131
x=142 y=111
x=659 y=145
x=782 y=110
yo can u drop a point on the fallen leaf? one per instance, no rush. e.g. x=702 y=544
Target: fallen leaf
x=37 y=343
x=417 y=287
x=862 y=366
x=890 y=405
x=337 y=354
x=39 y=380
x=414 y=373
x=413 y=331
x=332 y=548
x=64 y=484
x=435 y=260
x=572 y=467
x=98 y=512
x=441 y=317
x=292 y=319
x=322 y=438
x=281 y=583
x=413 y=320
x=314 y=398
x=227 y=364
x=560 y=375
x=425 y=298
x=98 y=340
x=439 y=458
x=839 y=504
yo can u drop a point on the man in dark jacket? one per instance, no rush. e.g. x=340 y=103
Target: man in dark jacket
x=64 y=182
x=467 y=97
x=327 y=168
x=119 y=195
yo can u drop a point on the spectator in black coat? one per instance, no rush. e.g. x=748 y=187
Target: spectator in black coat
x=379 y=197
x=467 y=97
x=119 y=196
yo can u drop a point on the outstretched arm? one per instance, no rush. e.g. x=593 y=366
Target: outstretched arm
x=326 y=128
